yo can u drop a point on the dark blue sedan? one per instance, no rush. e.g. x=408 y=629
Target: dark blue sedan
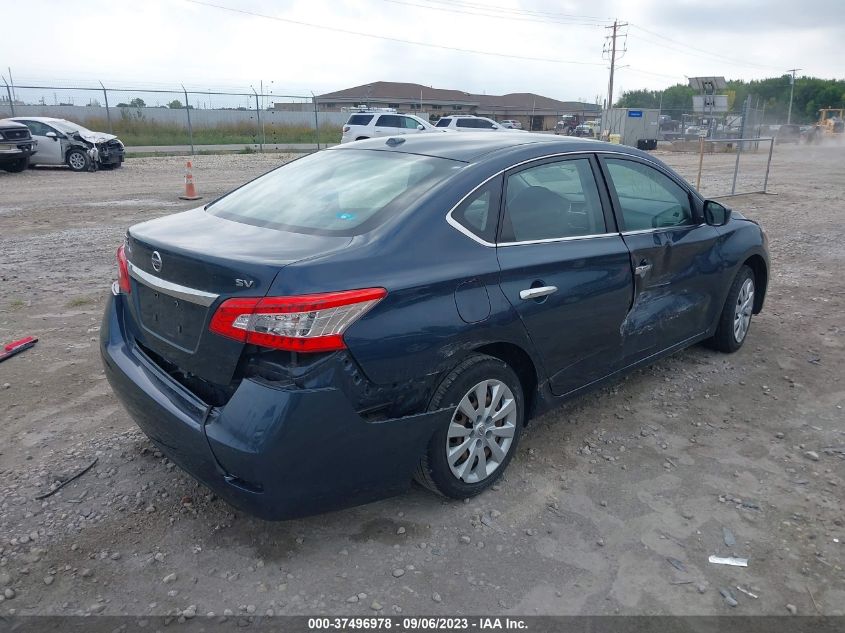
x=398 y=309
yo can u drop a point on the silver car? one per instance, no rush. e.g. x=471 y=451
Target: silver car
x=62 y=142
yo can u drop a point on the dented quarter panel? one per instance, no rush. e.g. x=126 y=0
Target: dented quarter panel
x=278 y=443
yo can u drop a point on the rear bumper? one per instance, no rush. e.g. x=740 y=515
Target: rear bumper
x=274 y=453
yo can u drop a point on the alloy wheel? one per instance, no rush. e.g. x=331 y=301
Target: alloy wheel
x=481 y=431
x=744 y=308
x=77 y=161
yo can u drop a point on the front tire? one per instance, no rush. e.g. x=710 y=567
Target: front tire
x=469 y=453
x=17 y=165
x=735 y=320
x=78 y=160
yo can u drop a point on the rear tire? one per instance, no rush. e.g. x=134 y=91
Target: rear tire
x=735 y=320
x=78 y=160
x=17 y=165
x=471 y=451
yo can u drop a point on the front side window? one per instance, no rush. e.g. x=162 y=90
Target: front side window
x=484 y=123
x=37 y=128
x=410 y=124
x=648 y=198
x=466 y=123
x=552 y=201
x=335 y=192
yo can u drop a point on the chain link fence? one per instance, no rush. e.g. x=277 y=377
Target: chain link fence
x=733 y=150
x=148 y=117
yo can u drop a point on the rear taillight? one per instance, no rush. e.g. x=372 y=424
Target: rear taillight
x=123 y=270
x=346 y=128
x=307 y=323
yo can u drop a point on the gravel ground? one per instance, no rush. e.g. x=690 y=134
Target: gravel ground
x=613 y=504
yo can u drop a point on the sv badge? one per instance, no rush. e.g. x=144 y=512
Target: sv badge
x=244 y=283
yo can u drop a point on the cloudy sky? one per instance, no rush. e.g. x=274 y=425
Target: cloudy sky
x=552 y=47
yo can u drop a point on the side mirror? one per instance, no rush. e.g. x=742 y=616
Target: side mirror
x=52 y=135
x=495 y=127
x=420 y=127
x=716 y=214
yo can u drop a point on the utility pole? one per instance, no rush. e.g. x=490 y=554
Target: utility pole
x=612 y=51
x=791 y=93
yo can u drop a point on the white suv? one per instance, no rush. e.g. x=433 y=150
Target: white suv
x=363 y=125
x=469 y=123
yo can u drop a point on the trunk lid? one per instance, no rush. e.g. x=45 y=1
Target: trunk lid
x=185 y=265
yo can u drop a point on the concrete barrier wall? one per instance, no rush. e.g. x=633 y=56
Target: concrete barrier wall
x=199 y=118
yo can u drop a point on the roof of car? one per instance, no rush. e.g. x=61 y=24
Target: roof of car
x=43 y=119
x=471 y=146
x=10 y=123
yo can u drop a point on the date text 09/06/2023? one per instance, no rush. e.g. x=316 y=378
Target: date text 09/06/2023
x=417 y=623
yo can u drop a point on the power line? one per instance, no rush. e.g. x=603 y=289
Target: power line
x=389 y=39
x=510 y=18
x=791 y=93
x=611 y=50
x=646 y=72
x=501 y=9
x=700 y=50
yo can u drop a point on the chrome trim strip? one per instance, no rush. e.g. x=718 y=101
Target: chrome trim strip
x=200 y=297
x=570 y=238
x=462 y=229
x=664 y=229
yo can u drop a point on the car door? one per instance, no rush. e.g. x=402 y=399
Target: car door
x=411 y=125
x=389 y=125
x=565 y=268
x=485 y=125
x=672 y=255
x=49 y=147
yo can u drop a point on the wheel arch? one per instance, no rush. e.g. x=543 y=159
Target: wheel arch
x=761 y=279
x=522 y=364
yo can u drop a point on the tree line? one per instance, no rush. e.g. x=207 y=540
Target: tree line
x=811 y=94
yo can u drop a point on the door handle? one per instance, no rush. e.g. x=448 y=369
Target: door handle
x=642 y=269
x=536 y=293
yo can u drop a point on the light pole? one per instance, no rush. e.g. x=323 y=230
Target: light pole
x=791 y=93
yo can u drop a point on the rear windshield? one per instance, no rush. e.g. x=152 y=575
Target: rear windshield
x=359 y=119
x=335 y=192
x=443 y=123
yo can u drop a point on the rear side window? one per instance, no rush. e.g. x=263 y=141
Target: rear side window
x=443 y=123
x=552 y=201
x=648 y=198
x=389 y=120
x=360 y=119
x=37 y=128
x=479 y=213
x=335 y=192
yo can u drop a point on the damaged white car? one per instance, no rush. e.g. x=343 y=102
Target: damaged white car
x=62 y=142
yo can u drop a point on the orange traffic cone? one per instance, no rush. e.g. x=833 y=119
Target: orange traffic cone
x=190 y=189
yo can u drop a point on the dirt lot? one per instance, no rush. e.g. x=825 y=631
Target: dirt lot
x=613 y=504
